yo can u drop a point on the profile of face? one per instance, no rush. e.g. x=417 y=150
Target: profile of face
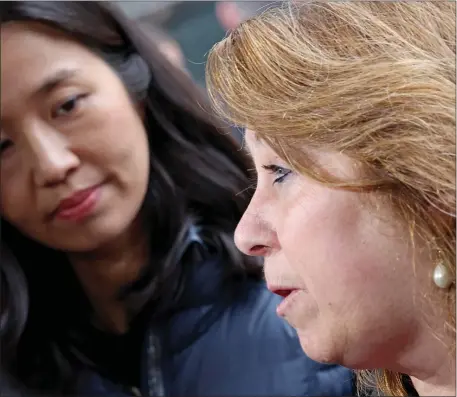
x=342 y=263
x=74 y=154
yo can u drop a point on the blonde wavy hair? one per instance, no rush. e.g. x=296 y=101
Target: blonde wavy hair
x=372 y=79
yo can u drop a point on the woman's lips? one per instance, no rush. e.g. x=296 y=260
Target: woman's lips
x=283 y=292
x=289 y=295
x=79 y=205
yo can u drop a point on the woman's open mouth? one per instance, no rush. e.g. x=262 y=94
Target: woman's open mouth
x=289 y=295
x=283 y=292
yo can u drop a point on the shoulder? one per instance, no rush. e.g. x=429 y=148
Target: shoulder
x=246 y=349
x=257 y=333
x=255 y=306
x=253 y=327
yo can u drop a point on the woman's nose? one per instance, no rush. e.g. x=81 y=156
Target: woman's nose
x=254 y=236
x=52 y=161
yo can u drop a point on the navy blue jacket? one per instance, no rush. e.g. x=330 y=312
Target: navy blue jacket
x=226 y=342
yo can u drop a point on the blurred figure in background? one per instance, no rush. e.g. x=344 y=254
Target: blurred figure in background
x=119 y=199
x=231 y=13
x=171 y=49
x=166 y=44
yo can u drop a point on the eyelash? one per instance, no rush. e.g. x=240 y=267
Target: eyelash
x=277 y=170
x=74 y=98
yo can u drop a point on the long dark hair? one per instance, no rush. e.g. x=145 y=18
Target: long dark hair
x=13 y=315
x=14 y=305
x=198 y=177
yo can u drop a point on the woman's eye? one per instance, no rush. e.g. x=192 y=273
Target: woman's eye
x=67 y=107
x=4 y=145
x=281 y=172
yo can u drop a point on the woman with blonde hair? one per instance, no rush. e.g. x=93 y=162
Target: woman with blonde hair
x=349 y=109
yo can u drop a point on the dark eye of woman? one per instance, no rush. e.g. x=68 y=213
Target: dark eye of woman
x=5 y=144
x=68 y=106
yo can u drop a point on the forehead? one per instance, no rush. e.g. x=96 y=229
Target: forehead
x=24 y=42
x=31 y=53
x=257 y=147
x=252 y=141
x=335 y=163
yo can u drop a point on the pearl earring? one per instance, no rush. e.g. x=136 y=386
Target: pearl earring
x=442 y=276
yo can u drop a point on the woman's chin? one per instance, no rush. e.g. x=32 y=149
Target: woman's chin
x=317 y=348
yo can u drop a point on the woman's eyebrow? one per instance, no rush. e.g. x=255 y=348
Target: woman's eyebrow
x=54 y=80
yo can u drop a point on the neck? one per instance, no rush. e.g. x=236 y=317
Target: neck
x=103 y=273
x=440 y=382
x=430 y=364
x=429 y=387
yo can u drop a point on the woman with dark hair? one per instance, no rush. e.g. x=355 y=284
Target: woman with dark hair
x=119 y=200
